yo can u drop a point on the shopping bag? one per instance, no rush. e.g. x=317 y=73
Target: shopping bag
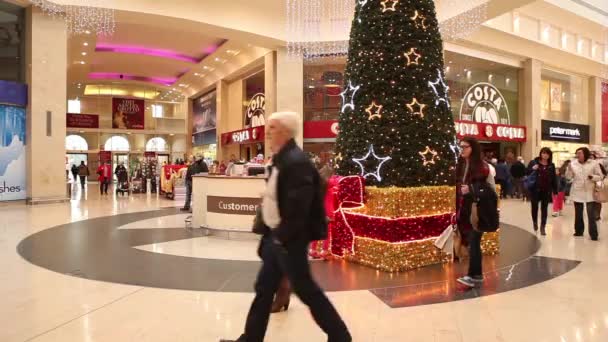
x=445 y=241
x=600 y=194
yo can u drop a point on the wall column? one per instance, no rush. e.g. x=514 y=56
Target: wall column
x=290 y=86
x=222 y=110
x=46 y=74
x=595 y=110
x=530 y=107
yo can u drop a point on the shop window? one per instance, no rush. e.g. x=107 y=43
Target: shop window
x=156 y=145
x=564 y=97
x=76 y=143
x=157 y=111
x=493 y=89
x=74 y=106
x=117 y=143
x=12 y=26
x=323 y=81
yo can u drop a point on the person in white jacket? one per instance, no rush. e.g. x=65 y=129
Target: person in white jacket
x=584 y=172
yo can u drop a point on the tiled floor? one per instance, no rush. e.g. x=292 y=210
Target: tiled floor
x=37 y=304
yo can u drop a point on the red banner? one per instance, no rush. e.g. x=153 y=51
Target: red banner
x=128 y=113
x=245 y=136
x=321 y=129
x=490 y=132
x=81 y=121
x=604 y=112
x=150 y=154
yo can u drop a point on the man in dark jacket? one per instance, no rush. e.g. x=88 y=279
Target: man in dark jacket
x=293 y=211
x=197 y=166
x=518 y=172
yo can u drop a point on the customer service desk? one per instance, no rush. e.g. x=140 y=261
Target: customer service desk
x=225 y=206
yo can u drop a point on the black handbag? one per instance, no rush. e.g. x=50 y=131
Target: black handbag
x=259 y=227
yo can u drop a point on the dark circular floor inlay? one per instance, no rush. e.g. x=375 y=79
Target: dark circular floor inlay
x=96 y=249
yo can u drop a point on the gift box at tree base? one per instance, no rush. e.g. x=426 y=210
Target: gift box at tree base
x=392 y=229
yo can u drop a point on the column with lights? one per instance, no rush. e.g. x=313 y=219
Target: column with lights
x=397 y=133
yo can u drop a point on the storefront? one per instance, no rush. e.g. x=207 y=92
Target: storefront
x=605 y=115
x=323 y=80
x=564 y=138
x=249 y=140
x=564 y=114
x=485 y=103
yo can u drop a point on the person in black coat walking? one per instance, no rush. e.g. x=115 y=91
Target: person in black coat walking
x=293 y=212
x=518 y=172
x=198 y=166
x=544 y=186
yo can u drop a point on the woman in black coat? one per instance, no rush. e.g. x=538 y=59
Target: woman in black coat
x=543 y=185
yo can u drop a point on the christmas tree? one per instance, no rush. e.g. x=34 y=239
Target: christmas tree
x=397 y=133
x=396 y=125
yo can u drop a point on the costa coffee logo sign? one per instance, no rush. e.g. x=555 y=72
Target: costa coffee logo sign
x=232 y=205
x=484 y=103
x=240 y=137
x=256 y=111
x=490 y=132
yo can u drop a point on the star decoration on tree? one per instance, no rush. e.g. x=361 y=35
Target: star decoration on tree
x=374 y=110
x=416 y=108
x=440 y=88
x=429 y=155
x=413 y=57
x=419 y=20
x=391 y=7
x=371 y=156
x=348 y=96
x=338 y=159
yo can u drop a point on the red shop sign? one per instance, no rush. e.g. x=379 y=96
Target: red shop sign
x=320 y=129
x=604 y=112
x=81 y=121
x=245 y=136
x=490 y=132
x=150 y=154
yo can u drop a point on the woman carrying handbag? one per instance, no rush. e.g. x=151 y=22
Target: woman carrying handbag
x=584 y=173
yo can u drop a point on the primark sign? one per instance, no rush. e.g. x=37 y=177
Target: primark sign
x=565 y=131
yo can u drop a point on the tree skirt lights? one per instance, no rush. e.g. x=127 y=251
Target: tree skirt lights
x=366 y=230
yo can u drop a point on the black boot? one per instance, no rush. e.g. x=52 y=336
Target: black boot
x=535 y=227
x=543 y=232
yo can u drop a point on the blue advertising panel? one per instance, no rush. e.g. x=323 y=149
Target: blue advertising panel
x=13 y=93
x=204 y=112
x=12 y=153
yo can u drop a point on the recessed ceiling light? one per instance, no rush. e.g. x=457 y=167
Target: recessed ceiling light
x=82 y=62
x=85 y=44
x=171 y=134
x=87 y=32
x=84 y=53
x=129 y=133
x=81 y=131
x=196 y=74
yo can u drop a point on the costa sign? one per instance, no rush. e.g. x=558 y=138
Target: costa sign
x=490 y=132
x=245 y=136
x=256 y=111
x=484 y=103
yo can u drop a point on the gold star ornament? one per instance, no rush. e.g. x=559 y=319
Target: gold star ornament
x=416 y=108
x=389 y=5
x=374 y=111
x=429 y=156
x=413 y=57
x=419 y=20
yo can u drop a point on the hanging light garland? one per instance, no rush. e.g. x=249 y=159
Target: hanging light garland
x=321 y=28
x=89 y=18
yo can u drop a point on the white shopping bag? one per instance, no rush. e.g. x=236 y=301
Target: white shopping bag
x=445 y=241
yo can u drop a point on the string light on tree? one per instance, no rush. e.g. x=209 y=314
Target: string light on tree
x=413 y=57
x=419 y=20
x=389 y=5
x=371 y=155
x=441 y=90
x=374 y=110
x=416 y=108
x=428 y=156
x=348 y=96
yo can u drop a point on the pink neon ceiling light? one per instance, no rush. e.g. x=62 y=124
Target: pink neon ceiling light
x=165 y=81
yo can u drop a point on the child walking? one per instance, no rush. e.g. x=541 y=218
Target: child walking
x=560 y=198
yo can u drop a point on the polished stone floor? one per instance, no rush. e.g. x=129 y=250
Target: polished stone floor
x=99 y=269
